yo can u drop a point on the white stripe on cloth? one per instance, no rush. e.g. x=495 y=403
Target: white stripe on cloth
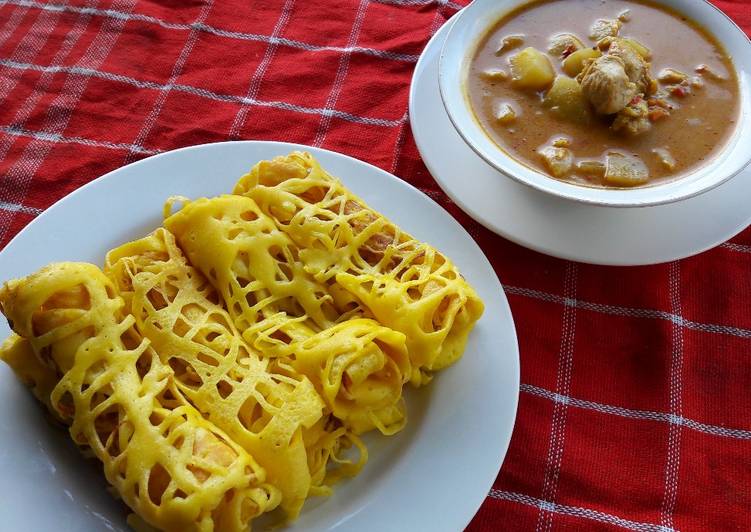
x=45 y=80
x=629 y=312
x=673 y=463
x=576 y=511
x=292 y=43
x=28 y=47
x=556 y=444
x=14 y=207
x=177 y=69
x=205 y=93
x=341 y=74
x=18 y=177
x=647 y=415
x=736 y=247
x=12 y=22
x=257 y=77
x=63 y=139
x=401 y=135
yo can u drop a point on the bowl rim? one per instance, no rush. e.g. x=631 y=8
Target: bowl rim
x=510 y=167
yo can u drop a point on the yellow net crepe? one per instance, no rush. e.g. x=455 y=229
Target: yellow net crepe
x=327 y=442
x=357 y=365
x=407 y=285
x=265 y=412
x=176 y=470
x=225 y=365
x=39 y=378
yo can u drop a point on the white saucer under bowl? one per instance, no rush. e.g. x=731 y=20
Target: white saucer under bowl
x=559 y=227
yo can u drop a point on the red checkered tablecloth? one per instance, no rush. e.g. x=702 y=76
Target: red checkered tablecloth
x=635 y=407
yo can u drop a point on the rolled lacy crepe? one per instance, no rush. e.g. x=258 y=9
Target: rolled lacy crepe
x=177 y=310
x=357 y=365
x=84 y=358
x=225 y=365
x=407 y=285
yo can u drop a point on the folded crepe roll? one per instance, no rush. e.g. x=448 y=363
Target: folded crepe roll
x=407 y=285
x=253 y=265
x=357 y=365
x=36 y=376
x=230 y=384
x=173 y=468
x=327 y=442
x=359 y=368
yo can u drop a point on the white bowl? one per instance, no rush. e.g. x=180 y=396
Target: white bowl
x=471 y=26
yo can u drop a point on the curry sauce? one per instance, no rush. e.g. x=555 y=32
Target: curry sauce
x=700 y=114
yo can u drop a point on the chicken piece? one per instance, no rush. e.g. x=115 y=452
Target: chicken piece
x=604 y=28
x=606 y=85
x=494 y=75
x=707 y=71
x=558 y=161
x=636 y=68
x=634 y=118
x=625 y=15
x=665 y=158
x=671 y=75
x=695 y=82
x=564 y=44
x=509 y=42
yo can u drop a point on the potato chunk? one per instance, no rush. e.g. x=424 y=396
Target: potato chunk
x=504 y=113
x=574 y=63
x=591 y=168
x=558 y=161
x=638 y=47
x=566 y=100
x=625 y=170
x=531 y=69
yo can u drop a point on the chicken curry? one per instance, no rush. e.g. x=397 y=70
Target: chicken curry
x=604 y=93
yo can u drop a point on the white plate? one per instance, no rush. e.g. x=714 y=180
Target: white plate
x=559 y=227
x=432 y=476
